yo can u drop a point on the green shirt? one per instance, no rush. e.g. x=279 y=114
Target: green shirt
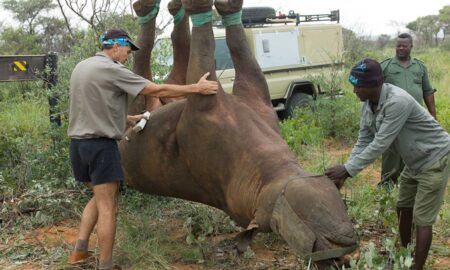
x=99 y=89
x=398 y=120
x=413 y=78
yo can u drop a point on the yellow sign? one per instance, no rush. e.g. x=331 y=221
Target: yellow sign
x=20 y=66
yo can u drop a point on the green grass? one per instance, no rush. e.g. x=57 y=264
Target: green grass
x=155 y=232
x=24 y=116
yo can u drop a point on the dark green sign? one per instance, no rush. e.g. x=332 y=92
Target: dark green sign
x=22 y=67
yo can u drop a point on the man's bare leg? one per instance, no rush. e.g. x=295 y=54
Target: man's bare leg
x=405 y=224
x=106 y=201
x=88 y=218
x=424 y=236
x=87 y=224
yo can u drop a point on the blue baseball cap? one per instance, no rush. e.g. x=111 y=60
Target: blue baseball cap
x=119 y=36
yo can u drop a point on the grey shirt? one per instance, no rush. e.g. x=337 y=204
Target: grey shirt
x=99 y=89
x=401 y=121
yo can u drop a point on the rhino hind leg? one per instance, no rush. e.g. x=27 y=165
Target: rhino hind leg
x=250 y=83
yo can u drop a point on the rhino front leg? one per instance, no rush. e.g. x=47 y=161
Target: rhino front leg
x=147 y=10
x=181 y=42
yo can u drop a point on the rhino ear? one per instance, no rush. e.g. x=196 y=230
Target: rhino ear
x=285 y=222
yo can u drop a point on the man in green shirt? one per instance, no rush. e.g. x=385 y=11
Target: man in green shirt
x=411 y=75
x=390 y=117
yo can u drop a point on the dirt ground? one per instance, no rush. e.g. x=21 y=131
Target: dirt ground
x=276 y=255
x=65 y=234
x=263 y=255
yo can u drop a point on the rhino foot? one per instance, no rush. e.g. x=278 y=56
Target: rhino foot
x=197 y=6
x=143 y=7
x=174 y=6
x=228 y=6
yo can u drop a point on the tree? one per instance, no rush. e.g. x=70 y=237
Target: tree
x=17 y=41
x=94 y=12
x=36 y=33
x=28 y=11
x=383 y=40
x=54 y=36
x=355 y=46
x=444 y=18
x=426 y=28
x=98 y=14
x=397 y=25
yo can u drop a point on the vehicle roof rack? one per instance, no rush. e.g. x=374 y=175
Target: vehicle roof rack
x=291 y=17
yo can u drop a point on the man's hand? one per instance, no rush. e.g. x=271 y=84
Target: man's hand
x=133 y=119
x=337 y=174
x=206 y=87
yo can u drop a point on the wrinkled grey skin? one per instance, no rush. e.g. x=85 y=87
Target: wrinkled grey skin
x=226 y=151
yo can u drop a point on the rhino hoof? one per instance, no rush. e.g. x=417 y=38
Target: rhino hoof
x=174 y=6
x=228 y=6
x=197 y=6
x=243 y=240
x=143 y=7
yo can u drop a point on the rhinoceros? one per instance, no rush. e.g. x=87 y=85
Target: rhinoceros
x=226 y=150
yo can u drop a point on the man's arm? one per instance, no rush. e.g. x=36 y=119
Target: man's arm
x=396 y=114
x=428 y=91
x=203 y=86
x=339 y=173
x=133 y=119
x=365 y=137
x=429 y=101
x=395 y=118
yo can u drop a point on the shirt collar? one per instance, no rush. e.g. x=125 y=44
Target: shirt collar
x=101 y=54
x=107 y=56
x=412 y=61
x=383 y=97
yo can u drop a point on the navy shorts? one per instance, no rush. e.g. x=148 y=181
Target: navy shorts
x=96 y=160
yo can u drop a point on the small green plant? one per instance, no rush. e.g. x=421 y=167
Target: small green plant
x=202 y=221
x=393 y=259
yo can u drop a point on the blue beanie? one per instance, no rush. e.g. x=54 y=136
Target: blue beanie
x=366 y=73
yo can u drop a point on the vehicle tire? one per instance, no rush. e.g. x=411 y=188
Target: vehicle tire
x=299 y=100
x=257 y=14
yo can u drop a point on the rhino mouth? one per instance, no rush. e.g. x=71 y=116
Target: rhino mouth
x=333 y=251
x=303 y=239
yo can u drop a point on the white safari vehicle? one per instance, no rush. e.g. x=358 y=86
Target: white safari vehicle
x=290 y=49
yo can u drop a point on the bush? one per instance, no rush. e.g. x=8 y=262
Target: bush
x=332 y=117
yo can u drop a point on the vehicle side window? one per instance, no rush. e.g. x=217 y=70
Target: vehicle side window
x=222 y=55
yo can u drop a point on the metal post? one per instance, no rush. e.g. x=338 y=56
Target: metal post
x=52 y=79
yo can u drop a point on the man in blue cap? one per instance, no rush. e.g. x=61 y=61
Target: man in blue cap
x=391 y=116
x=99 y=90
